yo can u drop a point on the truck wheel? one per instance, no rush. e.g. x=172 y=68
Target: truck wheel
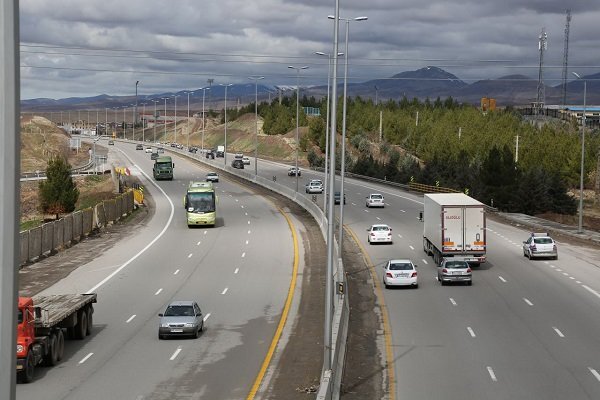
x=90 y=321
x=51 y=358
x=26 y=375
x=81 y=326
x=60 y=347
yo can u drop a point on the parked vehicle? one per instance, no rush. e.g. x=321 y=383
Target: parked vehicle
x=454 y=225
x=454 y=269
x=540 y=244
x=380 y=233
x=400 y=272
x=44 y=322
x=181 y=318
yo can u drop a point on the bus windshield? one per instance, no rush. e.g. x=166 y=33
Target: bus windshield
x=201 y=202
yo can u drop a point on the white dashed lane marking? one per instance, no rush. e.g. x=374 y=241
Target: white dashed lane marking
x=412 y=248
x=243 y=255
x=190 y=255
x=558 y=332
x=175 y=354
x=224 y=290
x=130 y=319
x=452 y=301
x=176 y=272
x=492 y=374
x=595 y=373
x=206 y=317
x=527 y=301
x=502 y=279
x=471 y=331
x=84 y=359
x=236 y=271
x=158 y=292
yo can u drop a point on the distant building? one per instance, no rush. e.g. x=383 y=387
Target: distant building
x=488 y=104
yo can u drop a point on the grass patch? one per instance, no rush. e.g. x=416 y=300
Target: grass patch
x=26 y=225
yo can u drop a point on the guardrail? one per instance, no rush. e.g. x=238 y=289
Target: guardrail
x=329 y=387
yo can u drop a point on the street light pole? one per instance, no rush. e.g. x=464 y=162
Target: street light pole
x=225 y=146
x=124 y=123
x=105 y=121
x=135 y=111
x=203 y=96
x=165 y=118
x=188 y=119
x=175 y=96
x=297 y=115
x=155 y=118
x=583 y=121
x=256 y=79
x=143 y=120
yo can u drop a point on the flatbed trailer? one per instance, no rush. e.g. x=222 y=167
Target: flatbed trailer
x=44 y=322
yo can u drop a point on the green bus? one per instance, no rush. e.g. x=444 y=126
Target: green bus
x=163 y=168
x=200 y=204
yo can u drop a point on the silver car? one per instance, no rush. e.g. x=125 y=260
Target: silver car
x=181 y=318
x=454 y=270
x=375 y=200
x=540 y=244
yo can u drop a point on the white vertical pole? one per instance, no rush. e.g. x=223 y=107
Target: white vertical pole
x=9 y=199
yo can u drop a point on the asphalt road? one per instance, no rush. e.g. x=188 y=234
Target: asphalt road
x=524 y=330
x=239 y=272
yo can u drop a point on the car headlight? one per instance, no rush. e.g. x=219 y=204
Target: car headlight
x=164 y=325
x=189 y=325
x=20 y=348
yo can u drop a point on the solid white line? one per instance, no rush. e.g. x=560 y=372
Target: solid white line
x=412 y=248
x=502 y=279
x=558 y=332
x=527 y=301
x=130 y=319
x=174 y=356
x=84 y=359
x=176 y=272
x=243 y=255
x=164 y=229
x=492 y=374
x=592 y=291
x=236 y=271
x=158 y=292
x=206 y=317
x=471 y=332
x=224 y=290
x=452 y=301
x=190 y=255
x=595 y=373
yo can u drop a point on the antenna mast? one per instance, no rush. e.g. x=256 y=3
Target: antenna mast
x=566 y=59
x=541 y=91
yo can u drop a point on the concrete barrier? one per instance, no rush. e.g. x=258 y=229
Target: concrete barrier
x=68 y=229
x=118 y=208
x=87 y=221
x=110 y=210
x=24 y=250
x=35 y=243
x=47 y=240
x=99 y=216
x=57 y=235
x=77 y=225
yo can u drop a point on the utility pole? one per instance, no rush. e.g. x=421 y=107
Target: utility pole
x=565 y=72
x=517 y=149
x=541 y=90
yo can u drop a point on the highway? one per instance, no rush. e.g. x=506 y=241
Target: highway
x=524 y=330
x=239 y=272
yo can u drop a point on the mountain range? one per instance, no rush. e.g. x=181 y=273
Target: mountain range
x=427 y=82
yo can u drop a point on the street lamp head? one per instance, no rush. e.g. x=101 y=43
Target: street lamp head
x=256 y=77
x=361 y=18
x=320 y=53
x=576 y=74
x=331 y=16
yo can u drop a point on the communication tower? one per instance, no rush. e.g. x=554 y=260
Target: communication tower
x=566 y=59
x=541 y=91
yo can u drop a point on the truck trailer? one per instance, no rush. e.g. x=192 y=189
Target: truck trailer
x=454 y=225
x=43 y=324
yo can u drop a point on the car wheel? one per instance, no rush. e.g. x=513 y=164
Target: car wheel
x=442 y=282
x=556 y=257
x=160 y=337
x=385 y=284
x=197 y=333
x=416 y=286
x=470 y=283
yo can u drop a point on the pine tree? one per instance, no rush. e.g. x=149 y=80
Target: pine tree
x=58 y=193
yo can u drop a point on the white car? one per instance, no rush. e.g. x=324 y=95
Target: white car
x=375 y=200
x=246 y=160
x=380 y=233
x=148 y=150
x=314 y=186
x=401 y=272
x=540 y=244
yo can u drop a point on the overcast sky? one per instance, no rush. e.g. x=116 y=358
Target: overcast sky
x=73 y=48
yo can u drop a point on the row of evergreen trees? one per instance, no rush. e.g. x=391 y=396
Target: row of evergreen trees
x=445 y=143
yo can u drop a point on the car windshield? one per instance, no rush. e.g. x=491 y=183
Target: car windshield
x=179 y=311
x=400 y=267
x=542 y=241
x=201 y=202
x=163 y=165
x=376 y=197
x=457 y=264
x=211 y=174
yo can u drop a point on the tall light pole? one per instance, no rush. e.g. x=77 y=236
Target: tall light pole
x=106 y=121
x=326 y=188
x=225 y=146
x=343 y=144
x=256 y=79
x=143 y=119
x=124 y=122
x=188 y=118
x=133 y=112
x=135 y=109
x=116 y=108
x=175 y=96
x=165 y=116
x=297 y=115
x=155 y=119
x=583 y=122
x=203 y=96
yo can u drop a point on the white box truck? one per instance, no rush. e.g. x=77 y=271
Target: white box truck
x=454 y=225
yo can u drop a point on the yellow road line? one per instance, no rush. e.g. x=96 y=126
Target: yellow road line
x=387 y=331
x=284 y=315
